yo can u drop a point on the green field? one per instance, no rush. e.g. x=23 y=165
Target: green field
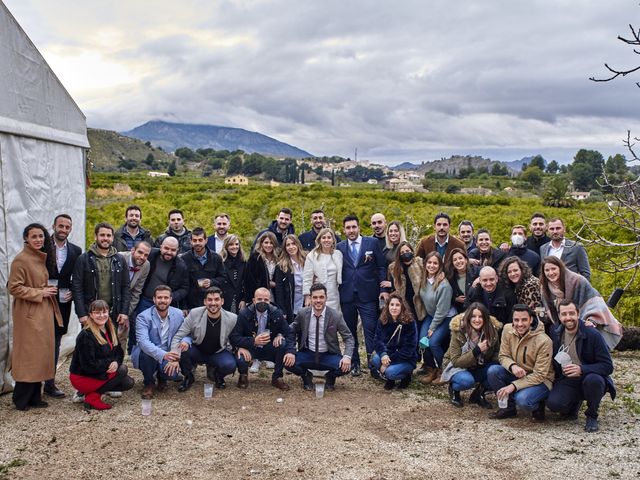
x=252 y=207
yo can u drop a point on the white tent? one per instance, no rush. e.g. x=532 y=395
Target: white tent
x=43 y=142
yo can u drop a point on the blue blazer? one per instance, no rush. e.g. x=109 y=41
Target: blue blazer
x=365 y=276
x=148 y=332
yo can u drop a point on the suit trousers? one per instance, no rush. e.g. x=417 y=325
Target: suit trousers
x=306 y=359
x=368 y=312
x=569 y=392
x=266 y=352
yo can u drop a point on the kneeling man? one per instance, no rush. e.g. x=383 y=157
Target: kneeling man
x=260 y=334
x=525 y=373
x=317 y=328
x=204 y=338
x=155 y=329
x=583 y=364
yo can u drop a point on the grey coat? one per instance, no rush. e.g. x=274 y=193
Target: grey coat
x=333 y=324
x=137 y=282
x=194 y=328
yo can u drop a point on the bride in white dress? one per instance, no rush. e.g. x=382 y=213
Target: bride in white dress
x=324 y=265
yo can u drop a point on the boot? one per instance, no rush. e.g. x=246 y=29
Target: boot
x=454 y=396
x=432 y=374
x=405 y=382
x=389 y=384
x=538 y=414
x=477 y=397
x=93 y=400
x=438 y=380
x=187 y=382
x=243 y=380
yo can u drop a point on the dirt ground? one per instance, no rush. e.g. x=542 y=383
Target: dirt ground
x=359 y=431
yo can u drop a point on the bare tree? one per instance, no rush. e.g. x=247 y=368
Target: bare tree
x=615 y=72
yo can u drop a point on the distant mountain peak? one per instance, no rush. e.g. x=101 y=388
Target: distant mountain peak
x=171 y=135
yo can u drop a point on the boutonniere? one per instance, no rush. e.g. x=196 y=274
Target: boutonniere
x=368 y=256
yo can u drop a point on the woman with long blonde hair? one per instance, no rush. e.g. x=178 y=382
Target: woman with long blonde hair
x=235 y=265
x=289 y=277
x=261 y=265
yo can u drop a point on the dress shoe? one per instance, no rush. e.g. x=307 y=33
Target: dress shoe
x=307 y=381
x=477 y=397
x=162 y=385
x=39 y=404
x=330 y=384
x=53 y=391
x=375 y=373
x=187 y=382
x=538 y=413
x=503 y=413
x=279 y=383
x=355 y=371
x=243 y=381
x=220 y=383
x=389 y=384
x=591 y=425
x=454 y=397
x=211 y=373
x=147 y=392
x=404 y=383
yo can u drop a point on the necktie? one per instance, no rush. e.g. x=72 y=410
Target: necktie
x=317 y=352
x=354 y=252
x=134 y=269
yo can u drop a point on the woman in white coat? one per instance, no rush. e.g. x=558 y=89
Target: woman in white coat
x=324 y=265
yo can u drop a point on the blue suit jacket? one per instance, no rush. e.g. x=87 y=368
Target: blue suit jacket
x=365 y=276
x=148 y=331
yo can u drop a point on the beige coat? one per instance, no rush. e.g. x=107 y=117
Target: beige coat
x=415 y=272
x=32 y=357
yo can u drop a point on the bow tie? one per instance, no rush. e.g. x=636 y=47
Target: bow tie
x=134 y=269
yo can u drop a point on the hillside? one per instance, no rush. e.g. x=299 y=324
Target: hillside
x=171 y=136
x=112 y=151
x=454 y=164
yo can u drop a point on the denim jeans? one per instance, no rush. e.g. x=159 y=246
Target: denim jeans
x=438 y=342
x=569 y=392
x=369 y=317
x=395 y=371
x=150 y=367
x=467 y=379
x=267 y=352
x=527 y=399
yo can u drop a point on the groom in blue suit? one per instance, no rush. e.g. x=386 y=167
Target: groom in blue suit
x=363 y=268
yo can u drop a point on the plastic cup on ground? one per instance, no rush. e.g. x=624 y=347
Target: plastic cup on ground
x=62 y=295
x=319 y=390
x=503 y=402
x=208 y=390
x=146 y=407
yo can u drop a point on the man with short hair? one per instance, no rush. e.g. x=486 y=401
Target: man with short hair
x=573 y=254
x=525 y=374
x=441 y=241
x=131 y=232
x=538 y=229
x=519 y=249
x=583 y=366
x=206 y=268
x=177 y=230
x=222 y=224
x=204 y=338
x=260 y=334
x=379 y=228
x=308 y=239
x=364 y=268
x=316 y=328
x=138 y=271
x=280 y=227
x=66 y=255
x=492 y=294
x=155 y=329
x=465 y=233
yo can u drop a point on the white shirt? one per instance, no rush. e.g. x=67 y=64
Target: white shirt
x=164 y=330
x=61 y=255
x=322 y=345
x=218 y=243
x=556 y=252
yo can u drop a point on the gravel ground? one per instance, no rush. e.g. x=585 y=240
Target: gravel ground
x=359 y=431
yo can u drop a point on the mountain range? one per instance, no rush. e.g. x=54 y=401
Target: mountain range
x=171 y=136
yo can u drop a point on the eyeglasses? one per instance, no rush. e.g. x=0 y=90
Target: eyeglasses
x=100 y=313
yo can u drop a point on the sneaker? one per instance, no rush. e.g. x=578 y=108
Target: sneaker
x=115 y=394
x=269 y=365
x=591 y=425
x=77 y=398
x=255 y=367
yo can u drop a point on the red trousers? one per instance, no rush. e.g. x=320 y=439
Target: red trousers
x=86 y=385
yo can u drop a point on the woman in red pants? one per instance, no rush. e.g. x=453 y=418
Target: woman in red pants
x=96 y=367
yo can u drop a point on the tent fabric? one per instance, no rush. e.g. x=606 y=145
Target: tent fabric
x=43 y=142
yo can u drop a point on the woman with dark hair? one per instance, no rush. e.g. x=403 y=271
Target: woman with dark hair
x=405 y=278
x=395 y=343
x=261 y=266
x=516 y=275
x=461 y=275
x=436 y=294
x=394 y=236
x=289 y=277
x=234 y=266
x=34 y=311
x=557 y=283
x=474 y=347
x=96 y=366
x=485 y=254
x=324 y=265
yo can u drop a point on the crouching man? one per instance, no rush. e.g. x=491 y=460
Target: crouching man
x=317 y=328
x=525 y=374
x=155 y=329
x=203 y=337
x=583 y=364
x=260 y=334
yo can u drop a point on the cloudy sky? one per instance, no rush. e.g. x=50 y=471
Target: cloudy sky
x=406 y=80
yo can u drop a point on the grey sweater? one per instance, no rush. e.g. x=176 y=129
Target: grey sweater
x=437 y=302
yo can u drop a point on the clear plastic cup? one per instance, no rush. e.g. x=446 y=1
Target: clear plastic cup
x=146 y=407
x=503 y=402
x=208 y=391
x=52 y=282
x=319 y=390
x=62 y=294
x=201 y=282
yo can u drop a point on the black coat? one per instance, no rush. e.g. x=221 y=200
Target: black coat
x=178 y=278
x=64 y=281
x=256 y=276
x=246 y=326
x=233 y=287
x=502 y=305
x=285 y=292
x=90 y=359
x=213 y=269
x=472 y=273
x=496 y=254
